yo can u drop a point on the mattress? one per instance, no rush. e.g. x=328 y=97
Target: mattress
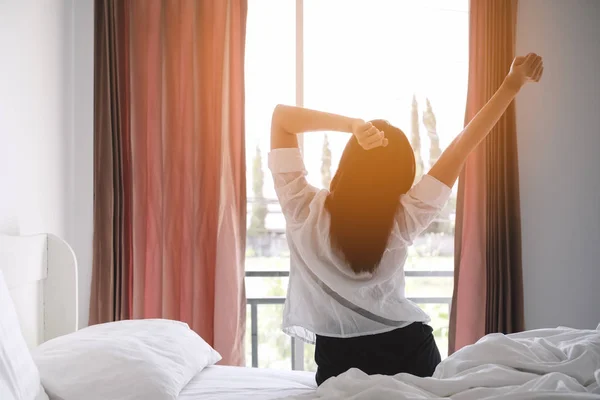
x=228 y=383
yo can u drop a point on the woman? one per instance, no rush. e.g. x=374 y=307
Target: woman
x=348 y=245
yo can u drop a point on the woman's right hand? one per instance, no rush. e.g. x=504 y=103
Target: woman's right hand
x=367 y=135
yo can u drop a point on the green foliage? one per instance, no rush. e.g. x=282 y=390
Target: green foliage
x=259 y=207
x=430 y=124
x=326 y=164
x=415 y=138
x=309 y=358
x=445 y=224
x=282 y=341
x=274 y=347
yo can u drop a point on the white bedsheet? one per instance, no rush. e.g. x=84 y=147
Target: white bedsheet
x=557 y=363
x=237 y=383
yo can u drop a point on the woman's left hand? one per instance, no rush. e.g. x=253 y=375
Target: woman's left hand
x=525 y=69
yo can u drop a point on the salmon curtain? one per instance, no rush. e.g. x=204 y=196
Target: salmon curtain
x=488 y=288
x=169 y=211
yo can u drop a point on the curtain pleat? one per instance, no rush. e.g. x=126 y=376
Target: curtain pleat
x=112 y=247
x=174 y=171
x=488 y=290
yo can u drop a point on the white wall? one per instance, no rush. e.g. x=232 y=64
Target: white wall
x=83 y=147
x=46 y=86
x=36 y=121
x=559 y=154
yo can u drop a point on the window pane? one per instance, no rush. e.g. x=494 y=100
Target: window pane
x=309 y=358
x=270 y=79
x=257 y=287
x=270 y=76
x=430 y=286
x=274 y=346
x=366 y=59
x=362 y=58
x=439 y=314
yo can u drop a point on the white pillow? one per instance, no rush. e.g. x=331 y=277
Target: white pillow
x=151 y=359
x=19 y=377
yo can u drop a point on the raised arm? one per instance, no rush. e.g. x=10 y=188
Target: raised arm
x=523 y=70
x=288 y=121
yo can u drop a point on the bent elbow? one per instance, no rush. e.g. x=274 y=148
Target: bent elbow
x=277 y=111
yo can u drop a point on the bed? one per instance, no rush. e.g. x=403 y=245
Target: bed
x=224 y=382
x=41 y=274
x=165 y=360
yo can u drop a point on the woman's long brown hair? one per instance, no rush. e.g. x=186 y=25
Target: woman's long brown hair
x=365 y=196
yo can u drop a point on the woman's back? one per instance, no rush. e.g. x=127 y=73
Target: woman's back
x=325 y=295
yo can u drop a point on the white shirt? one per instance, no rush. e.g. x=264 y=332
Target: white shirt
x=325 y=297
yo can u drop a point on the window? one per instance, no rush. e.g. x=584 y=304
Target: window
x=404 y=61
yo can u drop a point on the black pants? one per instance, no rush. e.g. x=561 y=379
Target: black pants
x=411 y=349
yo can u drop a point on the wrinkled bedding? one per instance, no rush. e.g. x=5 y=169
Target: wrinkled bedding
x=559 y=363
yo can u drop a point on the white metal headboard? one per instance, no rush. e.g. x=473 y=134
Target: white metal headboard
x=41 y=274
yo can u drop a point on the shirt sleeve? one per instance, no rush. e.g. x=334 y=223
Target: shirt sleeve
x=420 y=206
x=292 y=189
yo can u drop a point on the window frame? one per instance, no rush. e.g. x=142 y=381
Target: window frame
x=297 y=346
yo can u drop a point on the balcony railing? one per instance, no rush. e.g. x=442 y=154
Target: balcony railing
x=297 y=353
